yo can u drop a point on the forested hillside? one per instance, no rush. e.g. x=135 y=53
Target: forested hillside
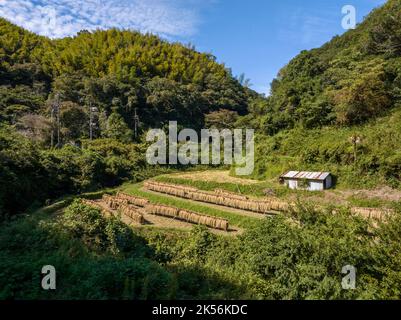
x=110 y=76
x=349 y=80
x=323 y=100
x=116 y=71
x=326 y=99
x=336 y=108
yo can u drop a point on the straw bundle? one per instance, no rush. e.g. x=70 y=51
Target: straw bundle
x=107 y=198
x=131 y=212
x=208 y=221
x=175 y=190
x=229 y=194
x=372 y=213
x=196 y=196
x=162 y=210
x=162 y=184
x=219 y=197
x=137 y=201
x=113 y=202
x=278 y=205
x=187 y=216
x=233 y=200
x=123 y=207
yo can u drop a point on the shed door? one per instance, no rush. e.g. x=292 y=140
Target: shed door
x=293 y=184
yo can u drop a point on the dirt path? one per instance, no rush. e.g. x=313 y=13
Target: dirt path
x=215 y=206
x=214 y=176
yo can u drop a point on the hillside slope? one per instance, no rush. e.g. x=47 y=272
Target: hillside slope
x=326 y=98
x=351 y=79
x=117 y=71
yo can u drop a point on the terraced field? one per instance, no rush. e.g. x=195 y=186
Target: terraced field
x=237 y=219
x=154 y=221
x=180 y=202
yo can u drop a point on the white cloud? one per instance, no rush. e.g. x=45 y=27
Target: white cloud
x=60 y=18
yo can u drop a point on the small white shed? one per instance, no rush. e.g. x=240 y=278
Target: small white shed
x=304 y=180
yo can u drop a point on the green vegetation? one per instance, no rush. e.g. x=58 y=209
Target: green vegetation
x=284 y=257
x=49 y=90
x=31 y=175
x=95 y=258
x=373 y=161
x=349 y=80
x=350 y=87
x=116 y=71
x=370 y=202
x=336 y=108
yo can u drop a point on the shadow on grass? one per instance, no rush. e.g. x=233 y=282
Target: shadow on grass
x=93 y=273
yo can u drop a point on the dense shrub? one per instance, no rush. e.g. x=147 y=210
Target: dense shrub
x=94 y=257
x=294 y=256
x=32 y=174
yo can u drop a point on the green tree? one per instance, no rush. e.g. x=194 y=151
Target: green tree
x=116 y=128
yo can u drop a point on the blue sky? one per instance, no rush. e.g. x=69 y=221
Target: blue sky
x=255 y=37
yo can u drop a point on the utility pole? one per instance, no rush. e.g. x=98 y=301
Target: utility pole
x=52 y=122
x=90 y=121
x=58 y=119
x=136 y=122
x=92 y=110
x=355 y=140
x=55 y=112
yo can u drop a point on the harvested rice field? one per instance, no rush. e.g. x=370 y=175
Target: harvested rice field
x=249 y=205
x=169 y=223
x=168 y=206
x=144 y=217
x=267 y=206
x=165 y=205
x=240 y=212
x=239 y=219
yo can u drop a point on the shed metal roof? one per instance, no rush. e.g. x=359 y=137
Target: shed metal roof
x=306 y=175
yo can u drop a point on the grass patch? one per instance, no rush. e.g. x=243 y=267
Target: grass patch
x=370 y=202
